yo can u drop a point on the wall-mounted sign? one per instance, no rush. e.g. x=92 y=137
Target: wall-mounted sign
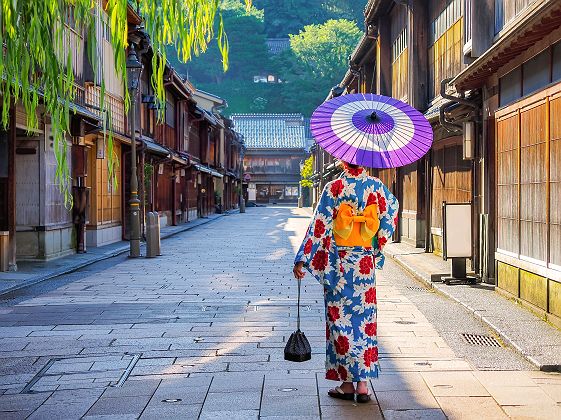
x=100 y=149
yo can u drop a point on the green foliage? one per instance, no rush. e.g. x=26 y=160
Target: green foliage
x=37 y=64
x=316 y=61
x=306 y=173
x=248 y=54
x=284 y=17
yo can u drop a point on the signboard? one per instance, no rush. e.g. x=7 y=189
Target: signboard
x=457 y=230
x=100 y=149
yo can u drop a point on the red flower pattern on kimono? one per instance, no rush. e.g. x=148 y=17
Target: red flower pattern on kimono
x=319 y=229
x=332 y=374
x=343 y=374
x=370 y=356
x=333 y=313
x=370 y=295
x=366 y=265
x=342 y=345
x=319 y=261
x=370 y=329
x=308 y=247
x=337 y=188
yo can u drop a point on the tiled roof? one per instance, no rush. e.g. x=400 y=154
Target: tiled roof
x=271 y=131
x=277 y=45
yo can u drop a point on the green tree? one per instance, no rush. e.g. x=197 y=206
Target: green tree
x=35 y=68
x=316 y=61
x=306 y=173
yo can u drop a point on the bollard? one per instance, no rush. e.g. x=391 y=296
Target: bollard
x=4 y=250
x=152 y=235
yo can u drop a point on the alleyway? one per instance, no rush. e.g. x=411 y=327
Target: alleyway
x=199 y=333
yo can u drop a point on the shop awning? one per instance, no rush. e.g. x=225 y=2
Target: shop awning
x=154 y=147
x=207 y=115
x=207 y=170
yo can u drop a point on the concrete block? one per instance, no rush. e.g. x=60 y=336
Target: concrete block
x=533 y=288
x=507 y=278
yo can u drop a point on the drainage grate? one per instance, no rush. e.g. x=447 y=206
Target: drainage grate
x=405 y=322
x=481 y=340
x=416 y=288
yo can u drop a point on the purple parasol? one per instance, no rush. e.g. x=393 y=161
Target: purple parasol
x=371 y=130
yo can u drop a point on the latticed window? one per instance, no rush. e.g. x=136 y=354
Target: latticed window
x=399 y=53
x=446 y=43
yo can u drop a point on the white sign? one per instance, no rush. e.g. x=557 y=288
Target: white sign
x=457 y=230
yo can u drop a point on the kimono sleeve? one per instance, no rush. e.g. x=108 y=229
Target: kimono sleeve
x=317 y=251
x=388 y=207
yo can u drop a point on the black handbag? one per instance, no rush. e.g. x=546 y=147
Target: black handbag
x=298 y=348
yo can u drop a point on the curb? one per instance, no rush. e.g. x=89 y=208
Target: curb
x=111 y=254
x=427 y=282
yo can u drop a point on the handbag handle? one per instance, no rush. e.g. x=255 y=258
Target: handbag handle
x=298 y=316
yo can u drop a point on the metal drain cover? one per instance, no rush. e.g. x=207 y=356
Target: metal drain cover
x=416 y=288
x=405 y=322
x=481 y=340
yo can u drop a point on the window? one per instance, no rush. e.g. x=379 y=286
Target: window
x=507 y=10
x=170 y=113
x=510 y=86
x=556 y=62
x=446 y=44
x=535 y=73
x=400 y=61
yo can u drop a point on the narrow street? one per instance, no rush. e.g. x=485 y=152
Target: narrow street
x=199 y=333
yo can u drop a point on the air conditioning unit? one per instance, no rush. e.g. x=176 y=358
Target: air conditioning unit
x=469 y=140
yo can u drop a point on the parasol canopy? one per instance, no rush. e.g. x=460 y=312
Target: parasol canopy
x=371 y=130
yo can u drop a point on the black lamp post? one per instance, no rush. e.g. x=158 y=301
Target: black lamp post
x=134 y=69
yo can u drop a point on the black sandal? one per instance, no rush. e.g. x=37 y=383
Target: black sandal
x=338 y=393
x=363 y=398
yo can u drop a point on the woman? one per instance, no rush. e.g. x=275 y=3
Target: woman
x=355 y=217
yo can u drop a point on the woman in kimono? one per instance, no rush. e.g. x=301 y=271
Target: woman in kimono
x=355 y=217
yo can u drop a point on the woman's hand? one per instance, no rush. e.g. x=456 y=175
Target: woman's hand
x=297 y=271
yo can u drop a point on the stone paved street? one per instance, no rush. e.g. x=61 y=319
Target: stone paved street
x=200 y=332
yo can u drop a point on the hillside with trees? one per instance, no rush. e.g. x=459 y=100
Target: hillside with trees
x=315 y=38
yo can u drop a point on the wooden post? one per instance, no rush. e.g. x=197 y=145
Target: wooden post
x=384 y=58
x=12 y=263
x=417 y=20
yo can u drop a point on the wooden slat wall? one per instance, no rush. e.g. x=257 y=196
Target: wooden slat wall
x=529 y=178
x=162 y=188
x=507 y=184
x=409 y=188
x=555 y=182
x=105 y=199
x=399 y=42
x=451 y=180
x=533 y=181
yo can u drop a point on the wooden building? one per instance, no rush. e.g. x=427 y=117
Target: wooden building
x=276 y=147
x=180 y=156
x=516 y=70
x=487 y=75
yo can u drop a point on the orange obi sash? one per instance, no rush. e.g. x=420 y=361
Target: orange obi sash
x=355 y=230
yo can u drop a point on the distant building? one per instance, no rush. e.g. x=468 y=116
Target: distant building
x=277 y=45
x=276 y=147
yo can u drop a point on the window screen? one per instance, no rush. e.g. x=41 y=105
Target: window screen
x=511 y=86
x=536 y=73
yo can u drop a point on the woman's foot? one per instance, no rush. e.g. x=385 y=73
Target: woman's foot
x=362 y=393
x=346 y=391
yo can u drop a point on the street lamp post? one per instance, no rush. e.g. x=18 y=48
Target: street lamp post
x=134 y=69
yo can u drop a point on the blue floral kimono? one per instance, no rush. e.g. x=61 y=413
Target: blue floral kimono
x=348 y=273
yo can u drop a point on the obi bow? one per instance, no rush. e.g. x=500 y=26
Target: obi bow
x=348 y=225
